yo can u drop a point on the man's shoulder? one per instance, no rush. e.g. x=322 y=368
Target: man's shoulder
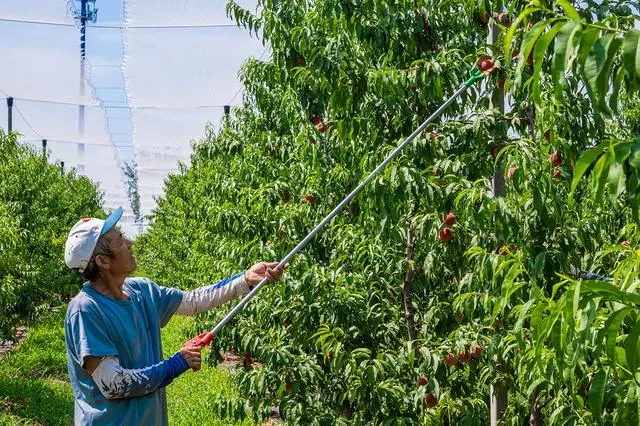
x=139 y=283
x=144 y=287
x=82 y=302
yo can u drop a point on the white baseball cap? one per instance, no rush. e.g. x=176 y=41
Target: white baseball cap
x=83 y=238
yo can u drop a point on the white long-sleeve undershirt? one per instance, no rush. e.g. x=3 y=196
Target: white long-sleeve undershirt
x=204 y=298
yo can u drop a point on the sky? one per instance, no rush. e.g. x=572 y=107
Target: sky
x=156 y=72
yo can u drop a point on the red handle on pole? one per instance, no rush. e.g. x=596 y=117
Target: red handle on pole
x=202 y=340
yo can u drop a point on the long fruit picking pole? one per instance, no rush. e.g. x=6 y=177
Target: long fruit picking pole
x=206 y=338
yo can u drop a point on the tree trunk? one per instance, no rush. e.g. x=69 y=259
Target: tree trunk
x=530 y=122
x=535 y=417
x=499 y=395
x=408 y=280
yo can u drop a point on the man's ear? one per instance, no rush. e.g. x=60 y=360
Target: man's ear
x=102 y=262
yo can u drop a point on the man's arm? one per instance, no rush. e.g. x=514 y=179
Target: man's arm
x=91 y=363
x=114 y=381
x=204 y=298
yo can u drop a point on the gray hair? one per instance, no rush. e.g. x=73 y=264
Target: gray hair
x=103 y=248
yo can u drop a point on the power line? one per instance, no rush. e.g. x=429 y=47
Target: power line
x=80 y=143
x=167 y=27
x=150 y=150
x=34 y=131
x=119 y=27
x=42 y=101
x=49 y=151
x=27 y=21
x=240 y=89
x=117 y=106
x=26 y=122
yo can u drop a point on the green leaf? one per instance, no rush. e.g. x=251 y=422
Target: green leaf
x=634 y=158
x=609 y=332
x=604 y=76
x=589 y=63
x=635 y=207
x=617 y=83
x=568 y=9
x=531 y=38
x=596 y=393
x=482 y=7
x=595 y=64
x=631 y=347
x=621 y=357
x=631 y=54
x=600 y=174
x=557 y=338
x=584 y=162
x=557 y=413
x=616 y=180
x=522 y=315
x=534 y=385
x=588 y=39
x=564 y=47
x=576 y=300
x=512 y=30
x=633 y=185
x=538 y=56
x=614 y=293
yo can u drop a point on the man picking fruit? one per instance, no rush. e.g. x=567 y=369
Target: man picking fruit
x=112 y=327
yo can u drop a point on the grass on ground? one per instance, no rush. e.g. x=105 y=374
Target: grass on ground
x=35 y=389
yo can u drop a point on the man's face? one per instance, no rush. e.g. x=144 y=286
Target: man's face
x=123 y=262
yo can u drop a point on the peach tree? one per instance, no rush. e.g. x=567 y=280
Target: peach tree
x=429 y=287
x=38 y=206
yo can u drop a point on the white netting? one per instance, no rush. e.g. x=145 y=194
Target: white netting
x=155 y=73
x=186 y=67
x=45 y=67
x=179 y=78
x=181 y=12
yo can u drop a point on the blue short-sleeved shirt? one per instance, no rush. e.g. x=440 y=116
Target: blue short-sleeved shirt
x=100 y=326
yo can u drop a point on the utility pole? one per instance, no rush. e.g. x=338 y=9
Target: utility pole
x=498 y=393
x=83 y=47
x=88 y=12
x=497 y=101
x=9 y=114
x=44 y=148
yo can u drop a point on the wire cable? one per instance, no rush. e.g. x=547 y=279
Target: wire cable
x=49 y=151
x=118 y=106
x=26 y=122
x=80 y=143
x=240 y=89
x=119 y=27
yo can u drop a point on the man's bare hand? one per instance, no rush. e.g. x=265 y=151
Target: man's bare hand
x=192 y=356
x=257 y=272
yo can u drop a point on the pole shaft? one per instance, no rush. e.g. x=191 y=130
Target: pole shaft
x=83 y=46
x=10 y=114
x=340 y=206
x=498 y=392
